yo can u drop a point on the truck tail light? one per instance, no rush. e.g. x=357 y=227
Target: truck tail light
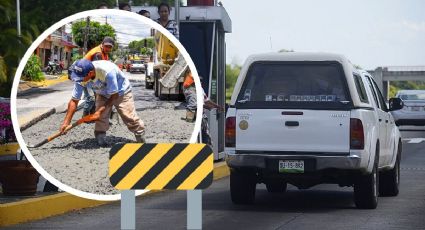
x=230 y=131
x=356 y=134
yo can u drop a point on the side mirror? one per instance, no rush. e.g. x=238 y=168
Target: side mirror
x=396 y=104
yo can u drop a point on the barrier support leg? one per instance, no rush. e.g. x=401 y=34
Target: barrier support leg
x=194 y=209
x=128 y=210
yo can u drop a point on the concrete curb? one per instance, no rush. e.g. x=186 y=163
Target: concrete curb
x=34 y=117
x=57 y=204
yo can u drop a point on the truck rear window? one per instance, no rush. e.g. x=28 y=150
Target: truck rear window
x=309 y=85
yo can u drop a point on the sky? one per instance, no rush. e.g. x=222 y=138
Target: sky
x=127 y=29
x=369 y=33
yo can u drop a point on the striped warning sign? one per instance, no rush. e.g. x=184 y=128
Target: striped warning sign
x=161 y=166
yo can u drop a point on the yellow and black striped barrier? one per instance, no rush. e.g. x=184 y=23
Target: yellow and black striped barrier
x=161 y=166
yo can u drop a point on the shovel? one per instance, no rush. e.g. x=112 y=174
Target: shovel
x=80 y=121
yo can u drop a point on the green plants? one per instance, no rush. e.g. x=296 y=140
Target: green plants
x=76 y=57
x=32 y=70
x=6 y=129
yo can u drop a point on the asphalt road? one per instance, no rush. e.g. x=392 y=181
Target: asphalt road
x=321 y=207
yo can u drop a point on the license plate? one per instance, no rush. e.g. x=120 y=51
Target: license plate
x=415 y=108
x=291 y=166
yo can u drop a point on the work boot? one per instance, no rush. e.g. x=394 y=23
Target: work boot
x=101 y=139
x=140 y=136
x=190 y=116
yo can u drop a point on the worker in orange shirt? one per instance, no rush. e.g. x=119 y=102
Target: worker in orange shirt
x=100 y=52
x=189 y=92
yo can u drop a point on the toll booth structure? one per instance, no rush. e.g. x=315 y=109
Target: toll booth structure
x=202 y=33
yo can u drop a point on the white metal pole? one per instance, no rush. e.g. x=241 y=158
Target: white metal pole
x=18 y=17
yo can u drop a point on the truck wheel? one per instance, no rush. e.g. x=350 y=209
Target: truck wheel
x=389 y=181
x=161 y=95
x=366 y=188
x=242 y=186
x=147 y=84
x=276 y=186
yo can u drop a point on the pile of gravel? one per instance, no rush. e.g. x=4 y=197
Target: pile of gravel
x=76 y=160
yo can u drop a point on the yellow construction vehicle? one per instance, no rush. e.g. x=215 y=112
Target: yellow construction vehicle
x=168 y=69
x=202 y=32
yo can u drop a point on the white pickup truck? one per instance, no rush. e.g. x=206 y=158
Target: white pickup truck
x=310 y=118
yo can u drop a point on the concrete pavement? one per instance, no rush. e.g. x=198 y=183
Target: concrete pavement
x=34 y=103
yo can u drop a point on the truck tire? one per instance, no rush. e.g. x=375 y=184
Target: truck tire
x=366 y=187
x=389 y=181
x=162 y=96
x=242 y=186
x=148 y=85
x=276 y=186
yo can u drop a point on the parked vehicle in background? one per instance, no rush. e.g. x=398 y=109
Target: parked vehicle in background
x=54 y=67
x=310 y=118
x=413 y=112
x=137 y=66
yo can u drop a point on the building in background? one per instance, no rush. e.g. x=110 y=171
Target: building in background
x=57 y=46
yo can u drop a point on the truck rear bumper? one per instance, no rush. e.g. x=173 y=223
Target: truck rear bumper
x=348 y=162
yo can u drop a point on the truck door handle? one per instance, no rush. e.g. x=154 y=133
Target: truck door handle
x=292 y=123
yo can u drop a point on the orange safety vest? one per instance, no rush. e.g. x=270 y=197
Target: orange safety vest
x=188 y=81
x=95 y=50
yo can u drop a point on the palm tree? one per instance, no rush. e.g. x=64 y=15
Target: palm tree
x=12 y=47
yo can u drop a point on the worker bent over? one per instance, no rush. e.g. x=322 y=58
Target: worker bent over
x=112 y=88
x=189 y=92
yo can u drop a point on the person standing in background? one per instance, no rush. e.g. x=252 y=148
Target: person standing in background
x=145 y=13
x=124 y=6
x=164 y=15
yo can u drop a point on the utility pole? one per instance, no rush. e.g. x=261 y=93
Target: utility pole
x=86 y=34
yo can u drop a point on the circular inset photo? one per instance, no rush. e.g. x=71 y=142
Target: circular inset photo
x=96 y=79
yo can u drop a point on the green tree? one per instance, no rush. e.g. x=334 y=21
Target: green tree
x=137 y=46
x=36 y=16
x=12 y=47
x=395 y=86
x=232 y=73
x=45 y=13
x=97 y=32
x=3 y=70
